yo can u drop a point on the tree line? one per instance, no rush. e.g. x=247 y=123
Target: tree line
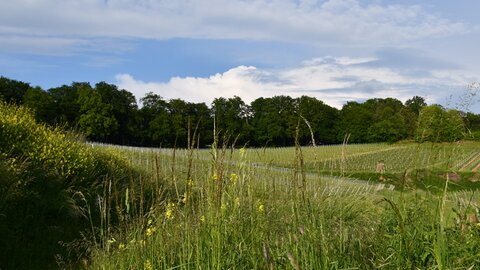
x=107 y=114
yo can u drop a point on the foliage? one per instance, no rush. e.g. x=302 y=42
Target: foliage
x=321 y=117
x=274 y=120
x=232 y=116
x=47 y=181
x=12 y=90
x=415 y=104
x=41 y=103
x=436 y=124
x=96 y=119
x=353 y=121
x=66 y=106
x=123 y=112
x=105 y=113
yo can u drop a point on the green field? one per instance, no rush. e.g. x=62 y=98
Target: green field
x=323 y=162
x=73 y=205
x=321 y=207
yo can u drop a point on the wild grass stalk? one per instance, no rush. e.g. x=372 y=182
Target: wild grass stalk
x=253 y=219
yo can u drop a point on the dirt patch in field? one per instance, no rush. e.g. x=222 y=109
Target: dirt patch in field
x=453 y=177
x=475 y=178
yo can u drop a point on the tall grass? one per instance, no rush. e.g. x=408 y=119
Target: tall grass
x=256 y=221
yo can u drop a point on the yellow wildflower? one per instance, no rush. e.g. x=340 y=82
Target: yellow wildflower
x=260 y=207
x=147 y=265
x=150 y=231
x=237 y=201
x=242 y=152
x=233 y=178
x=184 y=199
x=202 y=218
x=170 y=209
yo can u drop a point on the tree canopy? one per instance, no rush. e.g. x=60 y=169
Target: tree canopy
x=436 y=124
x=107 y=114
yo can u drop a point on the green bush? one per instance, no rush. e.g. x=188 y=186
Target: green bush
x=48 y=182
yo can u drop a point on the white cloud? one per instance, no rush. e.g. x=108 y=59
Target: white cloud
x=314 y=22
x=332 y=80
x=243 y=81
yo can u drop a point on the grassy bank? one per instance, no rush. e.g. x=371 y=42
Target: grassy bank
x=50 y=183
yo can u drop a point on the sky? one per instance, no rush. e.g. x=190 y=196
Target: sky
x=198 y=50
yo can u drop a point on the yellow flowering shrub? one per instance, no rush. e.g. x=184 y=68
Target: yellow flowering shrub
x=51 y=149
x=55 y=178
x=21 y=138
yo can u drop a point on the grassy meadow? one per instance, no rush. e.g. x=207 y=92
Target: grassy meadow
x=70 y=204
x=323 y=207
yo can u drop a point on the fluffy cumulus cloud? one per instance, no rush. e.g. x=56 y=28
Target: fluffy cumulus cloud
x=73 y=23
x=332 y=80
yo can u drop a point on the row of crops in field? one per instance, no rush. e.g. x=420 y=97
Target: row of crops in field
x=293 y=208
x=403 y=158
x=324 y=167
x=173 y=165
x=463 y=156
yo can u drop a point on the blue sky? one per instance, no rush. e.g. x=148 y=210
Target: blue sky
x=336 y=50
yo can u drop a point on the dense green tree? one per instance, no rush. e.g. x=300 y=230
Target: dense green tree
x=472 y=122
x=154 y=121
x=410 y=121
x=415 y=104
x=42 y=104
x=454 y=126
x=12 y=90
x=410 y=114
x=388 y=121
x=65 y=103
x=124 y=108
x=185 y=116
x=375 y=120
x=167 y=124
x=389 y=129
x=355 y=119
x=179 y=120
x=232 y=118
x=435 y=124
x=430 y=121
x=202 y=115
x=322 y=119
x=96 y=118
x=274 y=120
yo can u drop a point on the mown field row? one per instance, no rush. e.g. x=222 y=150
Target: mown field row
x=461 y=156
